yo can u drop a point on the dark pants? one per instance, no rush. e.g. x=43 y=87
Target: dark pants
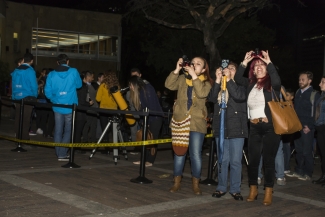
x=45 y=120
x=262 y=141
x=79 y=126
x=26 y=120
x=89 y=131
x=304 y=153
x=154 y=127
x=321 y=144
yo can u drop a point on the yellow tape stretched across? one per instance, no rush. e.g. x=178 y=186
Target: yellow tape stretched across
x=91 y=145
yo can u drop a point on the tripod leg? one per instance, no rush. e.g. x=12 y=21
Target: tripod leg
x=120 y=137
x=100 y=138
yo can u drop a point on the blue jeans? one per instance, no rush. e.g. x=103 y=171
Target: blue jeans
x=232 y=155
x=195 y=149
x=304 y=153
x=62 y=132
x=279 y=163
x=286 y=155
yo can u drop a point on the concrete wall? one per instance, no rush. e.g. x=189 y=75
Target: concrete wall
x=21 y=18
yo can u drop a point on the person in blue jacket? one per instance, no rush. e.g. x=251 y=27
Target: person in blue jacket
x=24 y=86
x=61 y=88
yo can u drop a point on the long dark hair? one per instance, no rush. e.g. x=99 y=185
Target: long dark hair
x=138 y=85
x=317 y=113
x=261 y=83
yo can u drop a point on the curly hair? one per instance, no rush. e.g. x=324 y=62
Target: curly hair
x=110 y=79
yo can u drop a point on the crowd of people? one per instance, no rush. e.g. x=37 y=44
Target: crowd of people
x=247 y=117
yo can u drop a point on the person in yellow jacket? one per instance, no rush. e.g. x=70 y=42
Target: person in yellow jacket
x=106 y=100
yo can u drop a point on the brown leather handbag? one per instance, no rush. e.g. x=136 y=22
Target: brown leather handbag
x=284 y=116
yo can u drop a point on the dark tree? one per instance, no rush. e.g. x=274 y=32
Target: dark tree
x=210 y=17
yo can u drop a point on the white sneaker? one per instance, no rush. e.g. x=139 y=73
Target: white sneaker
x=39 y=131
x=287 y=171
x=259 y=181
x=281 y=181
x=304 y=178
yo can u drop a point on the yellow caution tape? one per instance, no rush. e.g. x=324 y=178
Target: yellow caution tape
x=91 y=145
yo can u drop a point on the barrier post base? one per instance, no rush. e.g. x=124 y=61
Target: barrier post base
x=208 y=181
x=141 y=180
x=18 y=149
x=70 y=165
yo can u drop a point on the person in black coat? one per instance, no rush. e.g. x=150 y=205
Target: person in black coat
x=83 y=100
x=236 y=130
x=263 y=77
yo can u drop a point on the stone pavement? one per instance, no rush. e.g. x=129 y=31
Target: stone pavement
x=34 y=184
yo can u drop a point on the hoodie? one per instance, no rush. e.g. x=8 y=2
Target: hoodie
x=61 y=87
x=24 y=82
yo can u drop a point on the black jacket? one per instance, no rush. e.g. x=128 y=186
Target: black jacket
x=303 y=107
x=82 y=101
x=236 y=116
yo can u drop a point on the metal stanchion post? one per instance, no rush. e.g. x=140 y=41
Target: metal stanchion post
x=71 y=164
x=209 y=180
x=20 y=132
x=142 y=179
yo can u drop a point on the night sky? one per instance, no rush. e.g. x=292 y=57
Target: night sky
x=284 y=17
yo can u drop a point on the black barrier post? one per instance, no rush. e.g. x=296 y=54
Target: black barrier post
x=20 y=132
x=71 y=164
x=142 y=179
x=209 y=180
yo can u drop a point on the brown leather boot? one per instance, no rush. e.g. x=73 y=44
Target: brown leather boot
x=268 y=196
x=177 y=184
x=195 y=186
x=252 y=193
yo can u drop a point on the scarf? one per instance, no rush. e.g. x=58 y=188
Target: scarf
x=189 y=82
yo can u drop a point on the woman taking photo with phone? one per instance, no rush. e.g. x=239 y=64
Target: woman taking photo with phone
x=192 y=91
x=262 y=140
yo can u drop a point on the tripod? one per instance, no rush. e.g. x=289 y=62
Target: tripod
x=117 y=137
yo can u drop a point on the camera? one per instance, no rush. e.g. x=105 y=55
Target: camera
x=224 y=64
x=186 y=61
x=256 y=53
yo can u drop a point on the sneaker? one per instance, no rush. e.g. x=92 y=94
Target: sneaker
x=259 y=181
x=134 y=153
x=136 y=162
x=31 y=133
x=294 y=174
x=64 y=159
x=39 y=131
x=281 y=181
x=305 y=178
x=287 y=171
x=148 y=164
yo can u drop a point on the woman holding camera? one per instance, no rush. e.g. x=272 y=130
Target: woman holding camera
x=192 y=92
x=143 y=95
x=262 y=140
x=236 y=130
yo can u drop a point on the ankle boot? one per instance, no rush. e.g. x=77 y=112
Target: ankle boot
x=321 y=180
x=252 y=193
x=268 y=196
x=177 y=184
x=195 y=186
